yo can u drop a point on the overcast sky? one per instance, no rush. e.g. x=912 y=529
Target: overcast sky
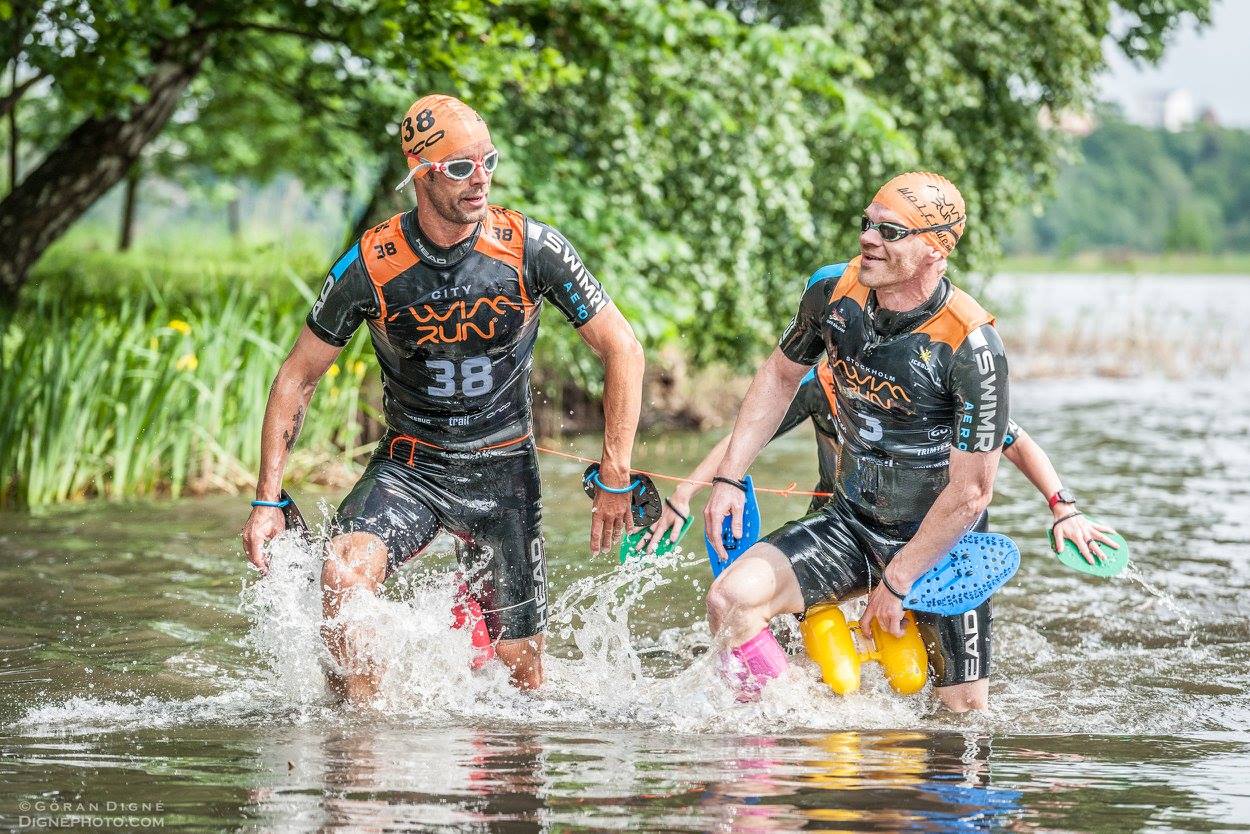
x=1214 y=64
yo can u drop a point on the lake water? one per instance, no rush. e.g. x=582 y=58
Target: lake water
x=148 y=680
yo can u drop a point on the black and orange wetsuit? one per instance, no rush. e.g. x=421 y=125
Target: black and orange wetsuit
x=908 y=387
x=454 y=333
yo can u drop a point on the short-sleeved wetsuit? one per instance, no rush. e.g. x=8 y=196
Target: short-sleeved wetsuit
x=454 y=331
x=907 y=388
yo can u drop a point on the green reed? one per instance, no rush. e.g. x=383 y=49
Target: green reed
x=138 y=392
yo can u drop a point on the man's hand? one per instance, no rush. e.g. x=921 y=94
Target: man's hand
x=262 y=525
x=884 y=609
x=726 y=500
x=1084 y=532
x=670 y=522
x=609 y=519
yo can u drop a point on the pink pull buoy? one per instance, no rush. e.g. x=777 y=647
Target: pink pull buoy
x=467 y=613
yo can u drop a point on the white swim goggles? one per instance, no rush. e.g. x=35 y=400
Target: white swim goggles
x=456 y=169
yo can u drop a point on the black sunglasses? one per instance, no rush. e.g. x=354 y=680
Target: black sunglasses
x=892 y=231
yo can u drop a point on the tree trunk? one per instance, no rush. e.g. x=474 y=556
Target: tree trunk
x=13 y=135
x=234 y=221
x=82 y=168
x=128 y=208
x=383 y=201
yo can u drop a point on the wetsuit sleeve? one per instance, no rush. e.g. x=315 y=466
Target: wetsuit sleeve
x=1013 y=433
x=803 y=341
x=556 y=272
x=346 y=299
x=978 y=380
x=801 y=406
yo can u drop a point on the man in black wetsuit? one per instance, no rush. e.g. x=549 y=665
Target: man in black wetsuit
x=921 y=387
x=451 y=293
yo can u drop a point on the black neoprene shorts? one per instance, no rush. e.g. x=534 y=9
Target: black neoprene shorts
x=490 y=500
x=835 y=557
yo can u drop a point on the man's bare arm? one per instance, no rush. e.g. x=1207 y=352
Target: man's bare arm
x=289 y=396
x=955 y=511
x=762 y=411
x=611 y=338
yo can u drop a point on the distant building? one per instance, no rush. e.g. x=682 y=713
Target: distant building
x=1071 y=122
x=1173 y=110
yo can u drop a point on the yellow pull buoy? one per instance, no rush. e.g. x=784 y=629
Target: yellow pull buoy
x=830 y=643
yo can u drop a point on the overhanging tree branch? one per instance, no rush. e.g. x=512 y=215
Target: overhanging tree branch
x=13 y=96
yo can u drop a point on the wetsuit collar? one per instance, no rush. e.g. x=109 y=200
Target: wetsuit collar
x=431 y=253
x=889 y=323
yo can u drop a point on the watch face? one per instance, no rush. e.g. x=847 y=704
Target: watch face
x=1067 y=496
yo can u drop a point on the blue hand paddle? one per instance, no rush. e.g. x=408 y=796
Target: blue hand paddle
x=734 y=548
x=977 y=566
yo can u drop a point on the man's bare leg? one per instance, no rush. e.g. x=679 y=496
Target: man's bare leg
x=758 y=586
x=963 y=697
x=524 y=659
x=353 y=561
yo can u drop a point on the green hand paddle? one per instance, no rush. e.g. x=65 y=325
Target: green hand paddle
x=631 y=547
x=1111 y=563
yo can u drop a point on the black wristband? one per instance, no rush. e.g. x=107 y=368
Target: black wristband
x=1061 y=520
x=684 y=518
x=890 y=588
x=721 y=479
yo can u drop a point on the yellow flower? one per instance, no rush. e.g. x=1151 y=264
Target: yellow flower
x=358 y=368
x=333 y=371
x=187 y=362
x=180 y=326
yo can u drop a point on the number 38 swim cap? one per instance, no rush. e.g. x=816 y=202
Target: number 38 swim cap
x=434 y=128
x=922 y=199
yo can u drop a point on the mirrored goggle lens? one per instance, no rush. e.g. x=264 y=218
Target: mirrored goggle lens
x=889 y=231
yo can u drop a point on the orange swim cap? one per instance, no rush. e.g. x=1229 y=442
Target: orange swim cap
x=925 y=199
x=435 y=127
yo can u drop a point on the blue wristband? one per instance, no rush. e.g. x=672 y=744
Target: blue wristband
x=594 y=479
x=279 y=504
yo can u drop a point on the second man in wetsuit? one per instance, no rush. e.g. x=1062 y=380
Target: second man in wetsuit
x=922 y=405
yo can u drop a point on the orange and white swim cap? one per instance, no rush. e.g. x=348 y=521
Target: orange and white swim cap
x=925 y=199
x=434 y=128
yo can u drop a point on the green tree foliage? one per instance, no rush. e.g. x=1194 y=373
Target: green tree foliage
x=118 y=70
x=703 y=157
x=1147 y=190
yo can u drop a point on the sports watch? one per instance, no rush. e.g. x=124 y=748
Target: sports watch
x=1063 y=496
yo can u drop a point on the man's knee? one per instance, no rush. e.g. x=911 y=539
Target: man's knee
x=722 y=601
x=354 y=560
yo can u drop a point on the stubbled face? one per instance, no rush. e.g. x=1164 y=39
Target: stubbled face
x=460 y=201
x=883 y=263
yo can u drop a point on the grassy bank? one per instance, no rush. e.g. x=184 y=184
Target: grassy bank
x=122 y=376
x=1173 y=263
x=147 y=372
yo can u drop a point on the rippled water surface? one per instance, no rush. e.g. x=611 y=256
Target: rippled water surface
x=147 y=679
